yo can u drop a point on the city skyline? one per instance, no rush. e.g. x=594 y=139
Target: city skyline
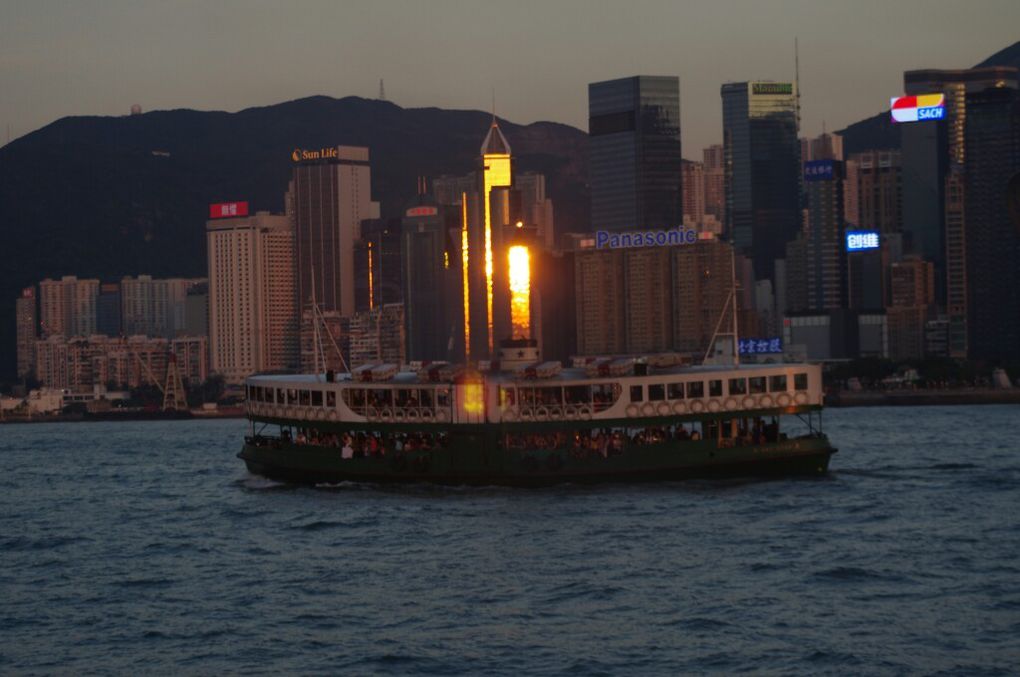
x=851 y=59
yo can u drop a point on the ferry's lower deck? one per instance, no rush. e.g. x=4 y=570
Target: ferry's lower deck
x=538 y=454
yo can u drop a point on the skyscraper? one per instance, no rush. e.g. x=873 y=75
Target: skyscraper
x=27 y=323
x=762 y=158
x=934 y=148
x=715 y=182
x=330 y=194
x=430 y=282
x=252 y=299
x=992 y=238
x=634 y=153
x=877 y=190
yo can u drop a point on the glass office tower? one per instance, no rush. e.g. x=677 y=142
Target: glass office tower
x=634 y=148
x=762 y=168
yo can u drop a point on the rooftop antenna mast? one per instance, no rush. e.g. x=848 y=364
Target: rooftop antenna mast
x=382 y=91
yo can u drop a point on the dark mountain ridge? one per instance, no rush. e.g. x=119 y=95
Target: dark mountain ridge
x=106 y=197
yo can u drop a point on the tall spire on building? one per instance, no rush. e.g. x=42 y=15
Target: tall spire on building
x=495 y=143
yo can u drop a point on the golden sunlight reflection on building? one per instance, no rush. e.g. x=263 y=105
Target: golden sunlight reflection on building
x=519 y=259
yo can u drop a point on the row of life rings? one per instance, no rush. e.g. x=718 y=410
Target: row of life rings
x=554 y=413
x=749 y=402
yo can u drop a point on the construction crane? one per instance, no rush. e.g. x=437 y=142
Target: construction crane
x=174 y=398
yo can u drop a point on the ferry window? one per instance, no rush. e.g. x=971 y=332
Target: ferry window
x=738 y=386
x=676 y=391
x=292 y=396
x=696 y=389
x=316 y=398
x=715 y=388
x=777 y=384
x=656 y=391
x=426 y=397
x=636 y=394
x=381 y=397
x=757 y=384
x=549 y=395
x=604 y=395
x=280 y=399
x=442 y=397
x=403 y=397
x=800 y=381
x=577 y=394
x=331 y=399
x=306 y=397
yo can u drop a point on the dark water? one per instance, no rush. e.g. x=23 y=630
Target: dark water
x=146 y=547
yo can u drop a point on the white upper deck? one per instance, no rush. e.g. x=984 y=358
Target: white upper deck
x=505 y=397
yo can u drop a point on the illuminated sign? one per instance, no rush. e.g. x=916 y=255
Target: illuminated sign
x=819 y=170
x=421 y=211
x=918 y=108
x=644 y=238
x=759 y=88
x=28 y=293
x=225 y=210
x=301 y=154
x=761 y=346
x=858 y=240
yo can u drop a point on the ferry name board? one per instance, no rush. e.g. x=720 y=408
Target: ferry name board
x=644 y=238
x=918 y=108
x=760 y=346
x=226 y=210
x=859 y=240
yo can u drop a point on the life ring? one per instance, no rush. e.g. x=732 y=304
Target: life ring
x=426 y=414
x=509 y=415
x=585 y=413
x=800 y=398
x=530 y=463
x=663 y=409
x=679 y=407
x=442 y=415
x=542 y=414
x=412 y=415
x=554 y=462
x=371 y=413
x=697 y=406
x=713 y=405
x=731 y=404
x=570 y=411
x=399 y=415
x=632 y=410
x=332 y=414
x=783 y=400
x=748 y=402
x=387 y=414
x=648 y=409
x=765 y=401
x=555 y=412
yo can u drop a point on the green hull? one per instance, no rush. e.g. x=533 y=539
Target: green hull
x=478 y=460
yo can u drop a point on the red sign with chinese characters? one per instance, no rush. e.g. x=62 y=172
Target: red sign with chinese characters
x=421 y=211
x=225 y=210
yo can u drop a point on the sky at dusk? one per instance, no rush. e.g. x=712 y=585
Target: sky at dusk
x=90 y=57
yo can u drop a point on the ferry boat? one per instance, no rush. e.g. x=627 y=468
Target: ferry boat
x=525 y=422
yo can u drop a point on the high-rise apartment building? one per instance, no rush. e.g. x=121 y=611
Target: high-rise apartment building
x=715 y=182
x=252 y=298
x=762 y=164
x=816 y=264
x=877 y=190
x=702 y=282
x=108 y=310
x=694 y=192
x=155 y=307
x=27 y=325
x=67 y=307
x=634 y=153
x=912 y=284
x=377 y=335
x=599 y=301
x=991 y=236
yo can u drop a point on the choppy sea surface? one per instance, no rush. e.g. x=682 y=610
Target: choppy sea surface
x=147 y=548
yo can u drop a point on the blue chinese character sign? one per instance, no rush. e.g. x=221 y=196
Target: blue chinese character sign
x=857 y=240
x=761 y=346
